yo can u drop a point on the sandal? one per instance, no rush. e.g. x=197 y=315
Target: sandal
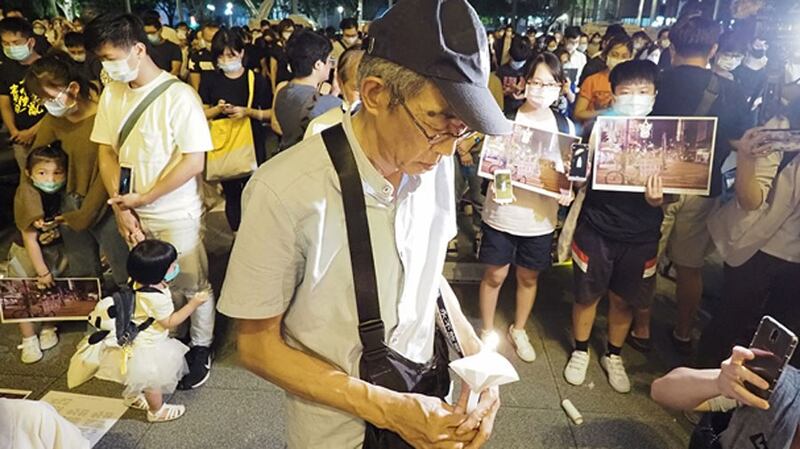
x=166 y=413
x=137 y=402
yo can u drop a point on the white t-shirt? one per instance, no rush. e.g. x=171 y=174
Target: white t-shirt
x=577 y=60
x=172 y=125
x=156 y=305
x=531 y=214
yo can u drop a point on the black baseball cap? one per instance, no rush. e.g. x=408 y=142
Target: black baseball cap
x=444 y=41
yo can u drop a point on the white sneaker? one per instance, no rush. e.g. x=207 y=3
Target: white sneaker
x=615 y=369
x=519 y=338
x=575 y=372
x=48 y=338
x=31 y=353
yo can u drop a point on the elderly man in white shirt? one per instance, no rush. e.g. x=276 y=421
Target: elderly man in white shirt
x=423 y=85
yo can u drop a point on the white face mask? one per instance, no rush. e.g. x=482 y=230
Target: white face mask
x=634 y=105
x=56 y=107
x=350 y=41
x=517 y=65
x=582 y=48
x=541 y=97
x=120 y=70
x=230 y=67
x=728 y=63
x=79 y=58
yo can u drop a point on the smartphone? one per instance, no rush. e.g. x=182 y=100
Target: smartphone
x=503 y=190
x=578 y=170
x=125 y=180
x=773 y=345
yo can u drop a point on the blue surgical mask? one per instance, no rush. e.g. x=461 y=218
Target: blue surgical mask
x=171 y=275
x=49 y=186
x=517 y=65
x=17 y=52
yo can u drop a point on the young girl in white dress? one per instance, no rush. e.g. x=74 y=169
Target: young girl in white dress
x=155 y=363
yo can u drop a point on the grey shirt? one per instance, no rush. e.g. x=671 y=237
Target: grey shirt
x=295 y=106
x=751 y=428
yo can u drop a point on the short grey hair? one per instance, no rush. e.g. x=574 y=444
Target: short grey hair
x=403 y=83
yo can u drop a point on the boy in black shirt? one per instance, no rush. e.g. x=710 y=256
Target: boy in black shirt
x=164 y=53
x=21 y=110
x=690 y=89
x=615 y=245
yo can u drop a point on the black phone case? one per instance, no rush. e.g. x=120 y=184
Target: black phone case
x=579 y=171
x=773 y=345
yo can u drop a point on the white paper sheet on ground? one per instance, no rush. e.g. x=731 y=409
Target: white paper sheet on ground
x=93 y=415
x=485 y=369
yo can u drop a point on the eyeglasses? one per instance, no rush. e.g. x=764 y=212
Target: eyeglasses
x=540 y=84
x=438 y=138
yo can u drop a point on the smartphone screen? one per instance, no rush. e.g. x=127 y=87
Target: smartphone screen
x=580 y=162
x=773 y=346
x=503 y=190
x=125 y=180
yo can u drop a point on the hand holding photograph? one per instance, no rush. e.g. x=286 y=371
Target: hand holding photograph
x=535 y=157
x=629 y=150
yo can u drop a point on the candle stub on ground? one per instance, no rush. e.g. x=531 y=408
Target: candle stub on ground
x=572 y=412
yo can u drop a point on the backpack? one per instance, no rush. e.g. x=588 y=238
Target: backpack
x=120 y=308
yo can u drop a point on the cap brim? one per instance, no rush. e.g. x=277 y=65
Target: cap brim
x=475 y=106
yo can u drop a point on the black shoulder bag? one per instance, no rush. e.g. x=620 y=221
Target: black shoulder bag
x=380 y=364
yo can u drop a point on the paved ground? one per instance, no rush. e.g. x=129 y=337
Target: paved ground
x=235 y=409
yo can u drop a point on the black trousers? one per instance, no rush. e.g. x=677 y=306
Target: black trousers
x=764 y=285
x=232 y=190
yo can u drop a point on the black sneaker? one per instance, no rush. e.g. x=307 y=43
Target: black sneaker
x=642 y=345
x=199 y=360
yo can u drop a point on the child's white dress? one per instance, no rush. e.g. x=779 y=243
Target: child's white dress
x=155 y=360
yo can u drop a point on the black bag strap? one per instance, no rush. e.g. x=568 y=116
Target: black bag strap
x=149 y=321
x=710 y=95
x=561 y=122
x=127 y=127
x=371 y=329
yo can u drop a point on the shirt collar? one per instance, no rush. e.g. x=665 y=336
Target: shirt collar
x=375 y=184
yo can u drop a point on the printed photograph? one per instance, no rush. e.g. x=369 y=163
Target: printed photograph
x=628 y=150
x=70 y=299
x=534 y=156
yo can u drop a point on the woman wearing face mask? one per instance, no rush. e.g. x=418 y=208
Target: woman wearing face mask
x=225 y=93
x=730 y=53
x=595 y=94
x=594 y=45
x=641 y=43
x=71 y=101
x=521 y=233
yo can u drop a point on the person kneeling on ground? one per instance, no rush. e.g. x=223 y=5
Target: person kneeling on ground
x=753 y=422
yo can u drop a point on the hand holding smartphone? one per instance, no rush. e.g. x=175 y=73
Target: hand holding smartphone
x=773 y=346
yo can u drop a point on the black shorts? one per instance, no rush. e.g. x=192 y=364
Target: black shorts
x=502 y=248
x=601 y=265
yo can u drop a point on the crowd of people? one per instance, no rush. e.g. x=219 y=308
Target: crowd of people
x=121 y=124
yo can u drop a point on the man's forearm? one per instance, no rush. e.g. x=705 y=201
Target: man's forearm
x=685 y=388
x=264 y=352
x=190 y=165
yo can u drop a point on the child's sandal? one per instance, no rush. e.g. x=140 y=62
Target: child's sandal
x=137 y=402
x=167 y=413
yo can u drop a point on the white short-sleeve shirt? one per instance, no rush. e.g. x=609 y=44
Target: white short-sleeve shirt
x=291 y=256
x=172 y=125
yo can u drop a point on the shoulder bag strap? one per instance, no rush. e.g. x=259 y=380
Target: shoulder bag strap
x=251 y=81
x=710 y=95
x=140 y=108
x=370 y=325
